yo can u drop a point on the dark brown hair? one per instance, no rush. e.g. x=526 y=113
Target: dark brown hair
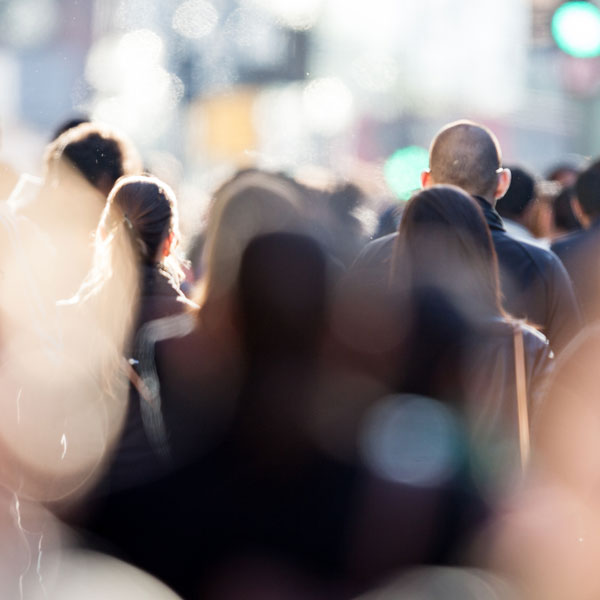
x=98 y=153
x=145 y=209
x=444 y=242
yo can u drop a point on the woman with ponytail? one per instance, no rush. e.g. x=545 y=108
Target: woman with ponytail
x=135 y=280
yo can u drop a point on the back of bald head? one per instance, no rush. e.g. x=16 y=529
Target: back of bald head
x=468 y=155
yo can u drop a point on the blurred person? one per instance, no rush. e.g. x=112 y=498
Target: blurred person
x=59 y=422
x=533 y=281
x=336 y=213
x=564 y=219
x=136 y=275
x=579 y=249
x=460 y=343
x=250 y=203
x=192 y=368
x=346 y=230
x=563 y=176
x=551 y=219
x=80 y=168
x=258 y=506
x=389 y=219
x=564 y=173
x=518 y=206
x=57 y=425
x=547 y=538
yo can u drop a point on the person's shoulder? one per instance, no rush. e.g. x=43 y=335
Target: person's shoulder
x=568 y=241
x=380 y=243
x=376 y=248
x=543 y=257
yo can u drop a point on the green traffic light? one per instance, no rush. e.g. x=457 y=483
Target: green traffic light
x=402 y=170
x=576 y=29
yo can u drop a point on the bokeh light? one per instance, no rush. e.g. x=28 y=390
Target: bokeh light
x=195 y=18
x=295 y=14
x=411 y=440
x=28 y=23
x=576 y=29
x=134 y=88
x=140 y=49
x=403 y=169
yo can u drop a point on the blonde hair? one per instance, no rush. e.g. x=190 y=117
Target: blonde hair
x=250 y=204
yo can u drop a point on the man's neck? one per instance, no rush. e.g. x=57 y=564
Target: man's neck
x=488 y=200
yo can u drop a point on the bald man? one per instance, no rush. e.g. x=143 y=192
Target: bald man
x=535 y=285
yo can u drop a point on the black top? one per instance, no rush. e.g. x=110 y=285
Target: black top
x=535 y=285
x=137 y=458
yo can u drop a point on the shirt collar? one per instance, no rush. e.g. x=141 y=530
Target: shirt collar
x=493 y=219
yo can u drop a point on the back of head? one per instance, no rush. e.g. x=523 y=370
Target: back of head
x=139 y=215
x=519 y=195
x=564 y=218
x=252 y=203
x=147 y=208
x=587 y=190
x=564 y=173
x=444 y=242
x=98 y=153
x=467 y=155
x=281 y=292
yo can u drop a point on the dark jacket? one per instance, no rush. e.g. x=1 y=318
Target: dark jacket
x=137 y=456
x=490 y=375
x=470 y=362
x=580 y=253
x=534 y=283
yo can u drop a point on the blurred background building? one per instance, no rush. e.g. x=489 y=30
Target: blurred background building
x=359 y=87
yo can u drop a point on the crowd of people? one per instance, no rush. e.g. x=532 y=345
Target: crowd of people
x=301 y=410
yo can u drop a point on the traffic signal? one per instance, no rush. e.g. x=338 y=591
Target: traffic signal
x=576 y=28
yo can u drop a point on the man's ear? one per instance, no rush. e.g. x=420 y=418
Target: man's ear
x=504 y=177
x=579 y=213
x=426 y=181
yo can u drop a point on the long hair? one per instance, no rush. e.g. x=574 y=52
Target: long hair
x=250 y=204
x=139 y=215
x=148 y=209
x=444 y=242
